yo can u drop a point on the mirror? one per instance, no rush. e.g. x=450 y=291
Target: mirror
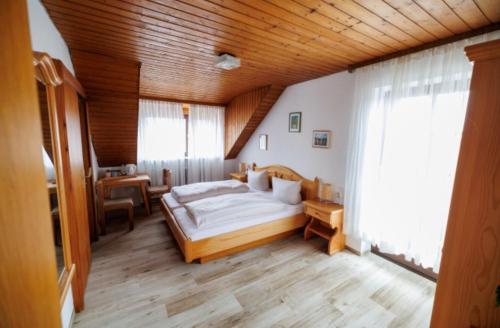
x=52 y=188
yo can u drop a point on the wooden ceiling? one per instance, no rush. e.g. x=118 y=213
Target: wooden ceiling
x=279 y=41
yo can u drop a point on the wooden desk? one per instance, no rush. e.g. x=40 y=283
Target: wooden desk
x=238 y=176
x=327 y=220
x=105 y=185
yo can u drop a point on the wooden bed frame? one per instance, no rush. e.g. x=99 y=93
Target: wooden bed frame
x=211 y=248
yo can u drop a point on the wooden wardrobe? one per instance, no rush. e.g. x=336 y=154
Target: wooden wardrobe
x=63 y=98
x=468 y=285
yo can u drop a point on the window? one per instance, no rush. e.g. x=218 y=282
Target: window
x=188 y=142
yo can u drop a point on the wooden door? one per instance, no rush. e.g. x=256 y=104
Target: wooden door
x=470 y=269
x=74 y=171
x=29 y=294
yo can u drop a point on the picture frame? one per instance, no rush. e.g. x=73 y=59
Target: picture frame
x=263 y=141
x=295 y=122
x=321 y=138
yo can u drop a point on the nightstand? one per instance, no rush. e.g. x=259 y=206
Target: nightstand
x=238 y=176
x=327 y=220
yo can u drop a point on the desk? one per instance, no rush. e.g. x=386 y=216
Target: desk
x=105 y=185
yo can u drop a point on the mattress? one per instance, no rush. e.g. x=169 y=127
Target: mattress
x=171 y=201
x=192 y=232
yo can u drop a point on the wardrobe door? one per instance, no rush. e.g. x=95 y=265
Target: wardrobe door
x=69 y=110
x=29 y=294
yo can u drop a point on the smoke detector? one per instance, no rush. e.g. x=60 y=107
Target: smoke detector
x=227 y=61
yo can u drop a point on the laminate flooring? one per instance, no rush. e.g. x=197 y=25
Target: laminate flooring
x=138 y=279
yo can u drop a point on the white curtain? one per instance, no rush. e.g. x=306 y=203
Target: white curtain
x=161 y=141
x=205 y=143
x=403 y=149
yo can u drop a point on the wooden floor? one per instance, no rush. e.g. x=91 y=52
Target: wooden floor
x=138 y=279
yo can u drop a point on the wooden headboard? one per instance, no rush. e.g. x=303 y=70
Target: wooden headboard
x=309 y=187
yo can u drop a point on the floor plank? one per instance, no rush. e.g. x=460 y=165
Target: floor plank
x=139 y=279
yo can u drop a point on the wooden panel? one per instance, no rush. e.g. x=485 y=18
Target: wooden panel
x=112 y=88
x=470 y=268
x=28 y=277
x=44 y=117
x=280 y=42
x=74 y=181
x=244 y=114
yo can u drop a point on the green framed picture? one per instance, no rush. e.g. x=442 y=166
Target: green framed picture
x=294 y=122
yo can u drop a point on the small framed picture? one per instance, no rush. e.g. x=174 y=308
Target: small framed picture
x=294 y=122
x=321 y=138
x=263 y=141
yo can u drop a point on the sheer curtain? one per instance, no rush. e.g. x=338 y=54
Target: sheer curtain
x=404 y=142
x=205 y=143
x=161 y=141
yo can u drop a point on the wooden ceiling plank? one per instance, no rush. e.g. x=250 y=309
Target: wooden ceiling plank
x=373 y=20
x=414 y=12
x=397 y=19
x=159 y=49
x=469 y=12
x=208 y=65
x=443 y=13
x=379 y=35
x=160 y=14
x=319 y=19
x=245 y=12
x=95 y=15
x=490 y=8
x=269 y=9
x=303 y=51
x=354 y=23
x=263 y=33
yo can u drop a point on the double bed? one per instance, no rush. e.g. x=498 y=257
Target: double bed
x=257 y=218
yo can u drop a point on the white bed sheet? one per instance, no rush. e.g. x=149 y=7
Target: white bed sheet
x=194 y=233
x=171 y=201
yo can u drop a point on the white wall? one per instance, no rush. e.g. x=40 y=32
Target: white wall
x=46 y=38
x=325 y=104
x=44 y=35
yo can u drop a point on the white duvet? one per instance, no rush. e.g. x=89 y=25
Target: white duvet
x=230 y=208
x=197 y=191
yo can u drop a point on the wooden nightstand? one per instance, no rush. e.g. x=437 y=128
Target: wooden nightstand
x=238 y=176
x=327 y=220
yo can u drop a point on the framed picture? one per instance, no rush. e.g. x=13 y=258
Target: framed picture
x=321 y=138
x=263 y=141
x=294 y=122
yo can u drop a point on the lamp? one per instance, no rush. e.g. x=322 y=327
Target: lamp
x=243 y=168
x=325 y=192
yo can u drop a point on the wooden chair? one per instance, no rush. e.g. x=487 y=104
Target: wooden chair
x=118 y=204
x=158 y=191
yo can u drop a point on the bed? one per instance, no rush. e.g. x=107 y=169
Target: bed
x=225 y=241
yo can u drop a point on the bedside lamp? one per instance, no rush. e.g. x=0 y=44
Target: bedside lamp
x=243 y=168
x=325 y=192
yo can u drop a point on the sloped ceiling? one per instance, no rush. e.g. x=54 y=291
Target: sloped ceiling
x=280 y=42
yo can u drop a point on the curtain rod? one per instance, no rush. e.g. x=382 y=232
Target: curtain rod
x=454 y=38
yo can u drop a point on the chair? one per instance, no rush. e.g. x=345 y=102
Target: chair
x=158 y=191
x=118 y=204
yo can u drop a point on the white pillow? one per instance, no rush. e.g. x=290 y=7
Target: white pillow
x=258 y=180
x=287 y=191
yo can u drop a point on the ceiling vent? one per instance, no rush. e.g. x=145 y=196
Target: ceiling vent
x=227 y=61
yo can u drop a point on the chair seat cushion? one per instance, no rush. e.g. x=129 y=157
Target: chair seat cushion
x=118 y=203
x=158 y=190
